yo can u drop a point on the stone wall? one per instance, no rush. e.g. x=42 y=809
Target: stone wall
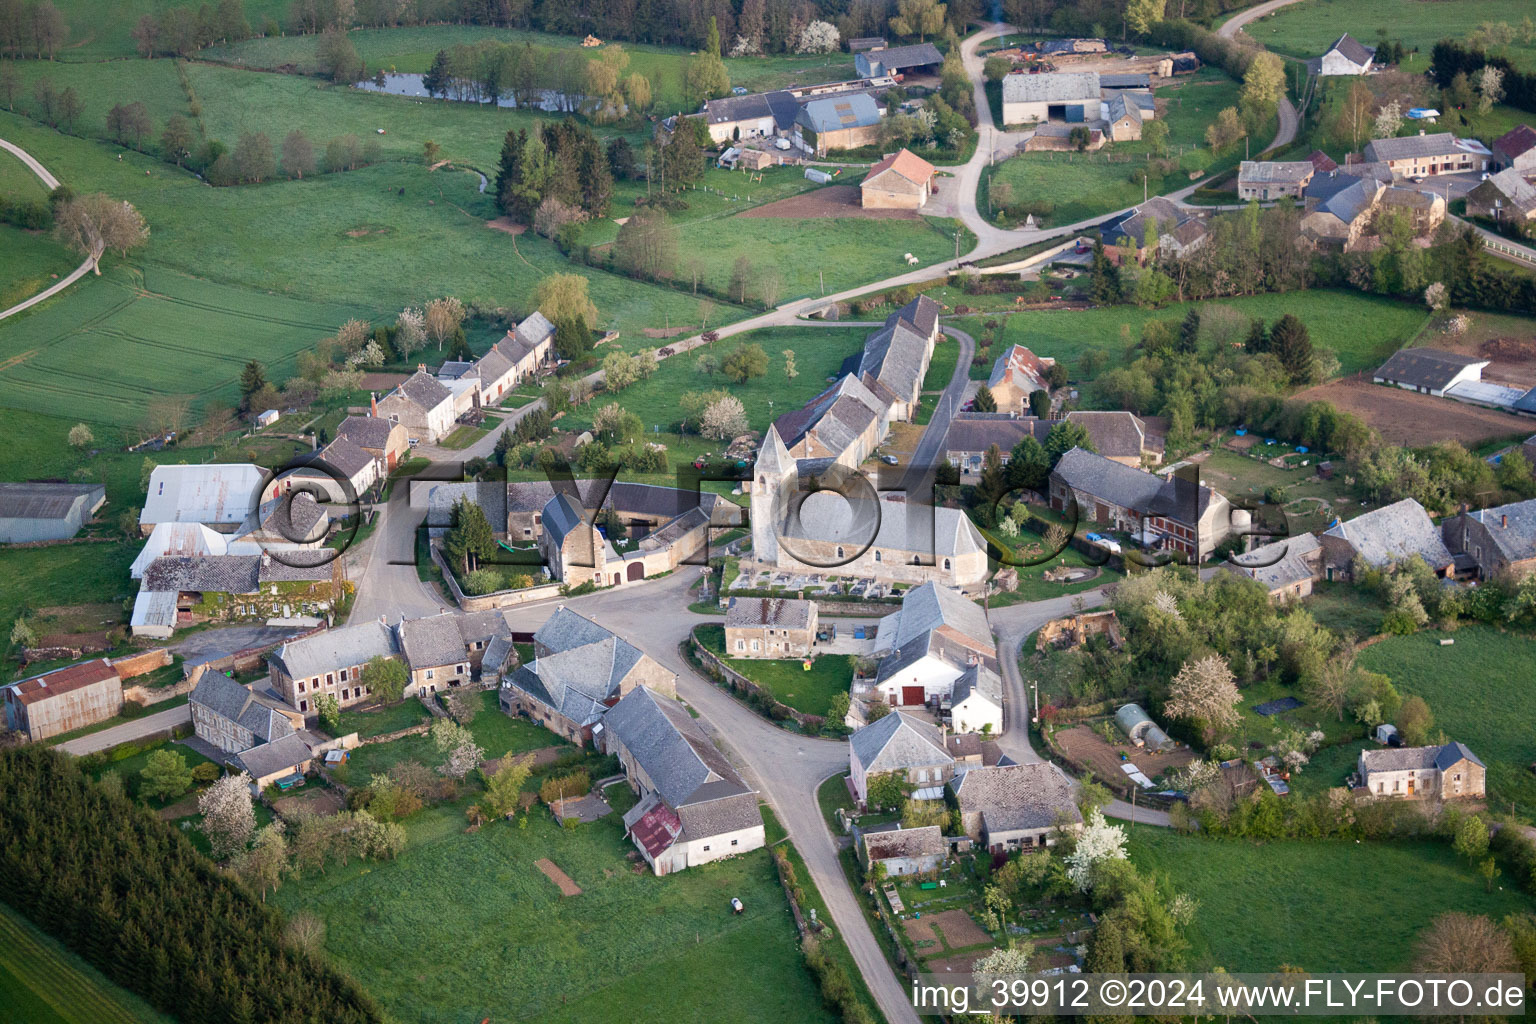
x=138 y=664
x=735 y=681
x=496 y=599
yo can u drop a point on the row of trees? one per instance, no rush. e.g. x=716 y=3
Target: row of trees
x=538 y=77
x=180 y=31
x=36 y=29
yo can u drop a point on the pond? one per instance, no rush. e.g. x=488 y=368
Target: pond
x=402 y=84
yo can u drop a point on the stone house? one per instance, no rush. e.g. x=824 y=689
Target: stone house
x=234 y=718
x=1285 y=568
x=505 y=364
x=1516 y=149
x=435 y=652
x=384 y=440
x=63 y=700
x=901 y=181
x=1498 y=540
x=1273 y=179
x=1509 y=195
x=1176 y=515
x=1016 y=806
x=1016 y=374
x=1421 y=155
x=1450 y=772
x=845 y=423
x=422 y=405
x=904 y=745
x=762 y=115
x=905 y=851
x=1345 y=57
x=331 y=662
x=769 y=627
x=1381 y=537
x=1117 y=435
x=46 y=511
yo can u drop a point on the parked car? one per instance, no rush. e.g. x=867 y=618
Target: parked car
x=890 y=460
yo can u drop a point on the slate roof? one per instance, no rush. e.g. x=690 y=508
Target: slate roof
x=1261 y=172
x=918 y=55
x=228 y=699
x=1400 y=759
x=432 y=641
x=293 y=518
x=952 y=532
x=1119 y=106
x=978 y=433
x=778 y=612
x=1518 y=140
x=491 y=496
x=1425 y=367
x=681 y=762
x=1511 y=527
x=561 y=516
x=1057 y=87
x=347 y=457
x=1392 y=533
x=1115 y=433
x=62 y=680
x=1326 y=184
x=1512 y=185
x=1353 y=200
x=535 y=328
x=1408 y=147
x=423 y=390
x=779 y=105
x=894 y=356
x=1017 y=797
x=837 y=417
x=922 y=313
x=835 y=113
x=898 y=742
x=1352 y=50
x=1125 y=81
x=927 y=841
x=47 y=501
x=336 y=648
x=1133 y=223
x=179 y=540
x=220 y=493
x=566 y=629
x=1282 y=563
x=905 y=163
x=214 y=574
x=980 y=680
x=281 y=754
x=1104 y=478
x=578 y=681
x=366 y=431
x=931 y=607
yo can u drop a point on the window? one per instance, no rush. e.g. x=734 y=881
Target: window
x=877 y=556
x=329 y=680
x=735 y=842
x=741 y=644
x=458 y=670
x=346 y=694
x=946 y=563
x=755 y=645
x=479 y=645
x=839 y=551
x=706 y=849
x=367 y=689
x=301 y=686
x=429 y=673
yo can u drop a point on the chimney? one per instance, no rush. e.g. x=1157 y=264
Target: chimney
x=421 y=367
x=1504 y=520
x=373 y=404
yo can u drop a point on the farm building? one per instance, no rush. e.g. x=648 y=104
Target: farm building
x=1122 y=119
x=1516 y=149
x=862 y=44
x=282 y=758
x=422 y=405
x=839 y=122
x=1429 y=371
x=1178 y=230
x=1071 y=96
x=976 y=702
x=1016 y=374
x=1016 y=806
x=513 y=359
x=762 y=115
x=1272 y=179
x=1443 y=773
x=1344 y=57
x=1117 y=435
x=330 y=662
x=898 y=60
x=902 y=744
x=1496 y=540
x=1176 y=515
x=1286 y=568
x=221 y=497
x=384 y=440
x=1413 y=156
x=769 y=627
x=844 y=423
x=63 y=700
x=901 y=181
x=1509 y=195
x=905 y=851
x=46 y=511
x=1381 y=537
x=693 y=808
x=1140 y=729
x=927 y=646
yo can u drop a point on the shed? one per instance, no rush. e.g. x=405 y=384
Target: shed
x=1139 y=727
x=1385 y=731
x=267 y=418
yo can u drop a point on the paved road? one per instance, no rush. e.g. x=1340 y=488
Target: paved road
x=51 y=183
x=385 y=571
x=1288 y=119
x=135 y=730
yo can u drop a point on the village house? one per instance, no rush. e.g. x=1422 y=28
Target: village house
x=63 y=700
x=435 y=652
x=1285 y=568
x=332 y=663
x=905 y=851
x=513 y=359
x=893 y=364
x=1509 y=196
x=902 y=744
x=753 y=116
x=422 y=405
x=1019 y=806
x=1344 y=57
x=901 y=181
x=1176 y=515
x=694 y=809
x=1017 y=374
x=838 y=122
x=1450 y=772
x=339 y=461
x=1497 y=540
x=1416 y=156
x=1121 y=118
x=234 y=719
x=1072 y=96
x=384 y=440
x=770 y=627
x=31 y=512
x=1516 y=149
x=640 y=509
x=1117 y=435
x=578 y=672
x=926 y=646
x=285 y=757
x=1272 y=179
x=1425 y=210
x=222 y=496
x=1339 y=209
x=844 y=423
x=1379 y=538
x=976 y=702
x=897 y=60
x=1177 y=231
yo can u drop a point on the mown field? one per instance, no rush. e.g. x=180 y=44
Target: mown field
x=1481 y=691
x=630 y=947
x=41 y=982
x=17 y=180
x=1309 y=904
x=1307 y=29
x=1361 y=330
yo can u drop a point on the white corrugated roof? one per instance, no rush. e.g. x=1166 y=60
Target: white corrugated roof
x=219 y=493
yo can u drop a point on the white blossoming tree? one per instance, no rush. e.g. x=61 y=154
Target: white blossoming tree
x=1099 y=842
x=228 y=817
x=1000 y=963
x=819 y=37
x=410 y=331
x=1205 y=691
x=723 y=419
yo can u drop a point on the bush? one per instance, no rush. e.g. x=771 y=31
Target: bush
x=205 y=773
x=559 y=787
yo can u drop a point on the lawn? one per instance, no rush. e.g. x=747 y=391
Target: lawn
x=1481 y=692
x=390 y=718
x=1345 y=608
x=41 y=982
x=1310 y=502
x=1307 y=29
x=494 y=731
x=945 y=354
x=1309 y=904
x=631 y=947
x=1033 y=586
x=99 y=29
x=1330 y=767
x=787 y=679
x=1361 y=330
x=129 y=769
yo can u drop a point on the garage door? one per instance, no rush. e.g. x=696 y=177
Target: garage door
x=636 y=570
x=911 y=694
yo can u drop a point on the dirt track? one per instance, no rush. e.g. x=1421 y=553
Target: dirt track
x=1408 y=418
x=560 y=878
x=832 y=201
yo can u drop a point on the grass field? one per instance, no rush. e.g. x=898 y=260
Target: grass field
x=495 y=732
x=30 y=262
x=1361 y=330
x=787 y=679
x=631 y=947
x=1309 y=904
x=17 y=180
x=718 y=195
x=391 y=718
x=1307 y=29
x=41 y=982
x=1480 y=690
x=98 y=30
x=62 y=575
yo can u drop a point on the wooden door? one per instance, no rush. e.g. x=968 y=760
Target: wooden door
x=912 y=695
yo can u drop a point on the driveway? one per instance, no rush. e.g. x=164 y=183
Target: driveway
x=225 y=640
x=134 y=730
x=1287 y=111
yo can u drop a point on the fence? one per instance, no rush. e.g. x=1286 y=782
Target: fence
x=734 y=681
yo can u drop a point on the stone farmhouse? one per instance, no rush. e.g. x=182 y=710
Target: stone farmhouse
x=902 y=744
x=1178 y=231
x=1341 y=205
x=905 y=851
x=1344 y=57
x=509 y=362
x=259 y=734
x=770 y=627
x=1509 y=195
x=1414 y=156
x=63 y=700
x=1496 y=541
x=1175 y=515
x=1117 y=435
x=902 y=181
x=1273 y=179
x=177 y=591
x=421 y=404
x=380 y=438
x=1016 y=374
x=845 y=423
x=43 y=511
x=694 y=809
x=1018 y=806
x=578 y=672
x=1515 y=150
x=1379 y=538
x=1451 y=772
x=435 y=651
x=1286 y=568
x=925 y=649
x=576 y=549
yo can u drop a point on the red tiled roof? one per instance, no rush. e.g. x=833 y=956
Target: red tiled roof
x=657 y=829
x=72 y=677
x=905 y=163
